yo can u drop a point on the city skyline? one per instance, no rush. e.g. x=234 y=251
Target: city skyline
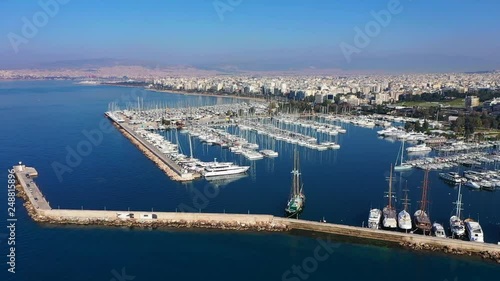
x=378 y=36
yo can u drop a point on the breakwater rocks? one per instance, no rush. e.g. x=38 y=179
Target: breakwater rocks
x=494 y=256
x=150 y=224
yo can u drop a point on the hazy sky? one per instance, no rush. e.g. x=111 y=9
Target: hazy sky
x=422 y=35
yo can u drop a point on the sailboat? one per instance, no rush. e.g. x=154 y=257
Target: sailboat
x=402 y=166
x=404 y=218
x=389 y=212
x=457 y=226
x=297 y=199
x=422 y=220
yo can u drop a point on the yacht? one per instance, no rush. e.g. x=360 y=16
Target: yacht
x=269 y=153
x=456 y=224
x=223 y=169
x=452 y=177
x=374 y=218
x=438 y=230
x=419 y=148
x=472 y=184
x=389 y=212
x=474 y=231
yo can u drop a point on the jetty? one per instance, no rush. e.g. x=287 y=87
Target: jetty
x=39 y=210
x=172 y=169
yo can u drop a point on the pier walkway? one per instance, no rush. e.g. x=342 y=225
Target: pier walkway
x=40 y=210
x=182 y=175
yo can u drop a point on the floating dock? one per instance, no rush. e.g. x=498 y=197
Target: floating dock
x=39 y=209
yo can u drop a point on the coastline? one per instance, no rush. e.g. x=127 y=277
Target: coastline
x=206 y=94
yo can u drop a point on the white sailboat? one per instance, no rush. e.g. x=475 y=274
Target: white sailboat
x=389 y=211
x=402 y=166
x=404 y=218
x=456 y=224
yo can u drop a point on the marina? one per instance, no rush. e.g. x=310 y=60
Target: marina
x=341 y=186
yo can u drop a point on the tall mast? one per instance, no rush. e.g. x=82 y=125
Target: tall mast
x=423 y=203
x=459 y=200
x=390 y=189
x=406 y=197
x=402 y=151
x=190 y=147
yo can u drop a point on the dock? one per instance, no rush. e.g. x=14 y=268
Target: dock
x=40 y=211
x=172 y=169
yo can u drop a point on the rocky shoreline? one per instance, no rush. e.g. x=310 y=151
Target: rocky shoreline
x=486 y=255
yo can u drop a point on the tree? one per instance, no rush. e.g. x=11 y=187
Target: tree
x=425 y=126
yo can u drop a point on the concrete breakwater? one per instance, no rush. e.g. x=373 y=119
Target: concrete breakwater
x=41 y=212
x=165 y=166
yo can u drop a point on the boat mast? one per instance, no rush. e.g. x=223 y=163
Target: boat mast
x=390 y=189
x=190 y=147
x=423 y=203
x=406 y=197
x=402 y=151
x=459 y=201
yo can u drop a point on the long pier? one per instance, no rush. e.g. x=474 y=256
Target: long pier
x=171 y=168
x=40 y=210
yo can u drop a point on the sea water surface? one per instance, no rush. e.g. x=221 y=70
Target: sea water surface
x=41 y=120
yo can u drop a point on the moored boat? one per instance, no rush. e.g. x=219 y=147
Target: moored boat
x=374 y=218
x=389 y=212
x=457 y=226
x=474 y=231
x=438 y=230
x=402 y=166
x=421 y=217
x=404 y=218
x=452 y=177
x=297 y=199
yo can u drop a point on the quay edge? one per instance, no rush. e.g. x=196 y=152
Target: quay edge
x=40 y=211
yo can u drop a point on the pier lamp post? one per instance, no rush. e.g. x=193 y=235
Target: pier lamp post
x=82 y=207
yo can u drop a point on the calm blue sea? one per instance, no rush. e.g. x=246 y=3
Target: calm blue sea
x=41 y=120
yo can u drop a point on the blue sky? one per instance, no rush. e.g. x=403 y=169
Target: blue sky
x=446 y=35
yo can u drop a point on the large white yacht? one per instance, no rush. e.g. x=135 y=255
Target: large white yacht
x=452 y=177
x=474 y=231
x=419 y=148
x=222 y=169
